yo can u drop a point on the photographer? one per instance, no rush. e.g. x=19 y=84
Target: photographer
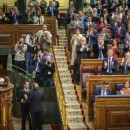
x=48 y=72
x=20 y=49
x=37 y=65
x=45 y=40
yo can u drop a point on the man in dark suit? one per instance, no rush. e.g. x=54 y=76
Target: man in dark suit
x=125 y=64
x=119 y=32
x=103 y=91
x=70 y=16
x=100 y=48
x=114 y=23
x=35 y=99
x=127 y=20
x=25 y=105
x=109 y=65
x=15 y=16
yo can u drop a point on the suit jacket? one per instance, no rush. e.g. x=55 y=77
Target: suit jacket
x=18 y=18
x=35 y=100
x=84 y=54
x=93 y=37
x=122 y=34
x=98 y=91
x=96 y=50
x=21 y=99
x=122 y=68
x=69 y=18
x=113 y=68
x=55 y=11
x=73 y=25
x=112 y=25
x=86 y=26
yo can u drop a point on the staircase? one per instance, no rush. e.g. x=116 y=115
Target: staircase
x=75 y=119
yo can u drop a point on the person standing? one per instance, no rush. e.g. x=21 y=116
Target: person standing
x=25 y=105
x=35 y=100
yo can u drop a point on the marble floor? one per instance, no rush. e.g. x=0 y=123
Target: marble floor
x=17 y=125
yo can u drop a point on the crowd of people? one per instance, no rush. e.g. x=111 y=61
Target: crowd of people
x=100 y=30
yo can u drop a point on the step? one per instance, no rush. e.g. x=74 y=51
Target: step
x=63 y=70
x=64 y=80
x=62 y=62
x=68 y=88
x=58 y=47
x=77 y=126
x=62 y=65
x=69 y=98
x=73 y=105
x=65 y=75
x=75 y=119
x=69 y=92
x=74 y=112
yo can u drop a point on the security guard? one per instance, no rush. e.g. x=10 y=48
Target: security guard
x=22 y=98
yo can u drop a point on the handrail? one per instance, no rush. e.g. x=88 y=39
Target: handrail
x=28 y=74
x=60 y=94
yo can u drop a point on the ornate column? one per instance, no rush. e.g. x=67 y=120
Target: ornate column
x=6 y=122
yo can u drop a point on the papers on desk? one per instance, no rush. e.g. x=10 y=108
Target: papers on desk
x=1 y=80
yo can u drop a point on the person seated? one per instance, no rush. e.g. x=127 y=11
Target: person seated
x=82 y=17
x=48 y=70
x=99 y=7
x=127 y=20
x=38 y=18
x=119 y=32
x=100 y=48
x=76 y=23
x=125 y=64
x=106 y=16
x=109 y=65
x=71 y=5
x=43 y=6
x=104 y=90
x=126 y=89
x=87 y=10
x=15 y=16
x=117 y=12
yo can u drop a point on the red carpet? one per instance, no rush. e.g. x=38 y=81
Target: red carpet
x=56 y=127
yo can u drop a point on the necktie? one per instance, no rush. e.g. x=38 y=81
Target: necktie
x=126 y=68
x=14 y=18
x=103 y=92
x=100 y=51
x=109 y=69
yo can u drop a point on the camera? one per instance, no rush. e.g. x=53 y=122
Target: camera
x=49 y=62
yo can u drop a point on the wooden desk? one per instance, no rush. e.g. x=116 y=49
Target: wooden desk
x=112 y=113
x=9 y=33
x=97 y=80
x=6 y=122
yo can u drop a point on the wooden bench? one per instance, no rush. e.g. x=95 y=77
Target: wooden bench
x=9 y=34
x=112 y=113
x=97 y=80
x=91 y=67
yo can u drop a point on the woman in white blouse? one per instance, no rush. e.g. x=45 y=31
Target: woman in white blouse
x=39 y=18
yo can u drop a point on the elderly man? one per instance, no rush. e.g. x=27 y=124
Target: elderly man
x=45 y=40
x=109 y=65
x=40 y=32
x=125 y=64
x=103 y=91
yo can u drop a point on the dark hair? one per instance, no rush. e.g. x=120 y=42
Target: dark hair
x=25 y=82
x=105 y=82
x=46 y=50
x=128 y=82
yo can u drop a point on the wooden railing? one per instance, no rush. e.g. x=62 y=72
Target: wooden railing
x=60 y=95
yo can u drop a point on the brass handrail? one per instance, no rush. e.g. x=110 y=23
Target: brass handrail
x=60 y=94
x=28 y=74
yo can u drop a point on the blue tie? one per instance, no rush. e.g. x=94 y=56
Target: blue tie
x=109 y=69
x=103 y=92
x=14 y=18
